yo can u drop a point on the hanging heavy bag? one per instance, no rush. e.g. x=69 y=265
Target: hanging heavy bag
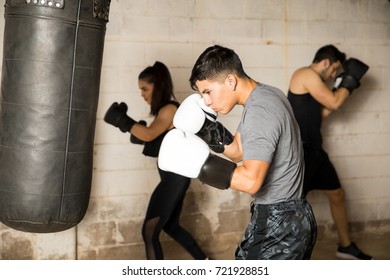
x=51 y=70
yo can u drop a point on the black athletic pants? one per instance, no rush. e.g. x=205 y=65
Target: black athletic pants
x=163 y=213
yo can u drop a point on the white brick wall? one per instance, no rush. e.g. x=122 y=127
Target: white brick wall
x=272 y=38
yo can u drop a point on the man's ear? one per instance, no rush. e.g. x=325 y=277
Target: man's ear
x=231 y=81
x=326 y=63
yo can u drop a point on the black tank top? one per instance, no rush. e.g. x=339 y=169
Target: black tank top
x=307 y=112
x=152 y=148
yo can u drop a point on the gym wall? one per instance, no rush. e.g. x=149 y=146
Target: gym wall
x=273 y=38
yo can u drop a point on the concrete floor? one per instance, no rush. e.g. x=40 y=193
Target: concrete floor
x=377 y=246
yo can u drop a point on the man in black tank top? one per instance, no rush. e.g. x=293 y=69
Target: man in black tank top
x=312 y=100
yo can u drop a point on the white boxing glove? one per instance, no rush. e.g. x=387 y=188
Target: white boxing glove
x=211 y=115
x=186 y=154
x=182 y=153
x=189 y=116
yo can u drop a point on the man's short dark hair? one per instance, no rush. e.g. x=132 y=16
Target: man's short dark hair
x=329 y=52
x=214 y=62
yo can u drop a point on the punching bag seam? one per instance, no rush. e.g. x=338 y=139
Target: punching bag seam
x=36 y=223
x=16 y=148
x=70 y=107
x=28 y=16
x=48 y=195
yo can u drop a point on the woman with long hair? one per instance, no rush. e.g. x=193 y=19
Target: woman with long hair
x=166 y=201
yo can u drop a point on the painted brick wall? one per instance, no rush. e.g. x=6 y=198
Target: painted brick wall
x=273 y=38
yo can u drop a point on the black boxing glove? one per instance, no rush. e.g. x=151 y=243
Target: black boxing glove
x=134 y=139
x=215 y=135
x=354 y=70
x=116 y=116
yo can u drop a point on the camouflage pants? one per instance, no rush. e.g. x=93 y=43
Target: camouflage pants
x=281 y=231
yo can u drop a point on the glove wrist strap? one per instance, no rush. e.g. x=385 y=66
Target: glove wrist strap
x=217 y=172
x=126 y=124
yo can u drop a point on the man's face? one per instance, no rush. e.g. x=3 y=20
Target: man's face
x=332 y=71
x=217 y=95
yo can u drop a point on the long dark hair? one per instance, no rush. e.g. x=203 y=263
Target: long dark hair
x=159 y=76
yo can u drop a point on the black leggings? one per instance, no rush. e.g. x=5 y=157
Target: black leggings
x=163 y=213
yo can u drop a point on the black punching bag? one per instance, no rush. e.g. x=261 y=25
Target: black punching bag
x=52 y=58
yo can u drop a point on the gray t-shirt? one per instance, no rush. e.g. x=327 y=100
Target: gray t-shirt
x=270 y=133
